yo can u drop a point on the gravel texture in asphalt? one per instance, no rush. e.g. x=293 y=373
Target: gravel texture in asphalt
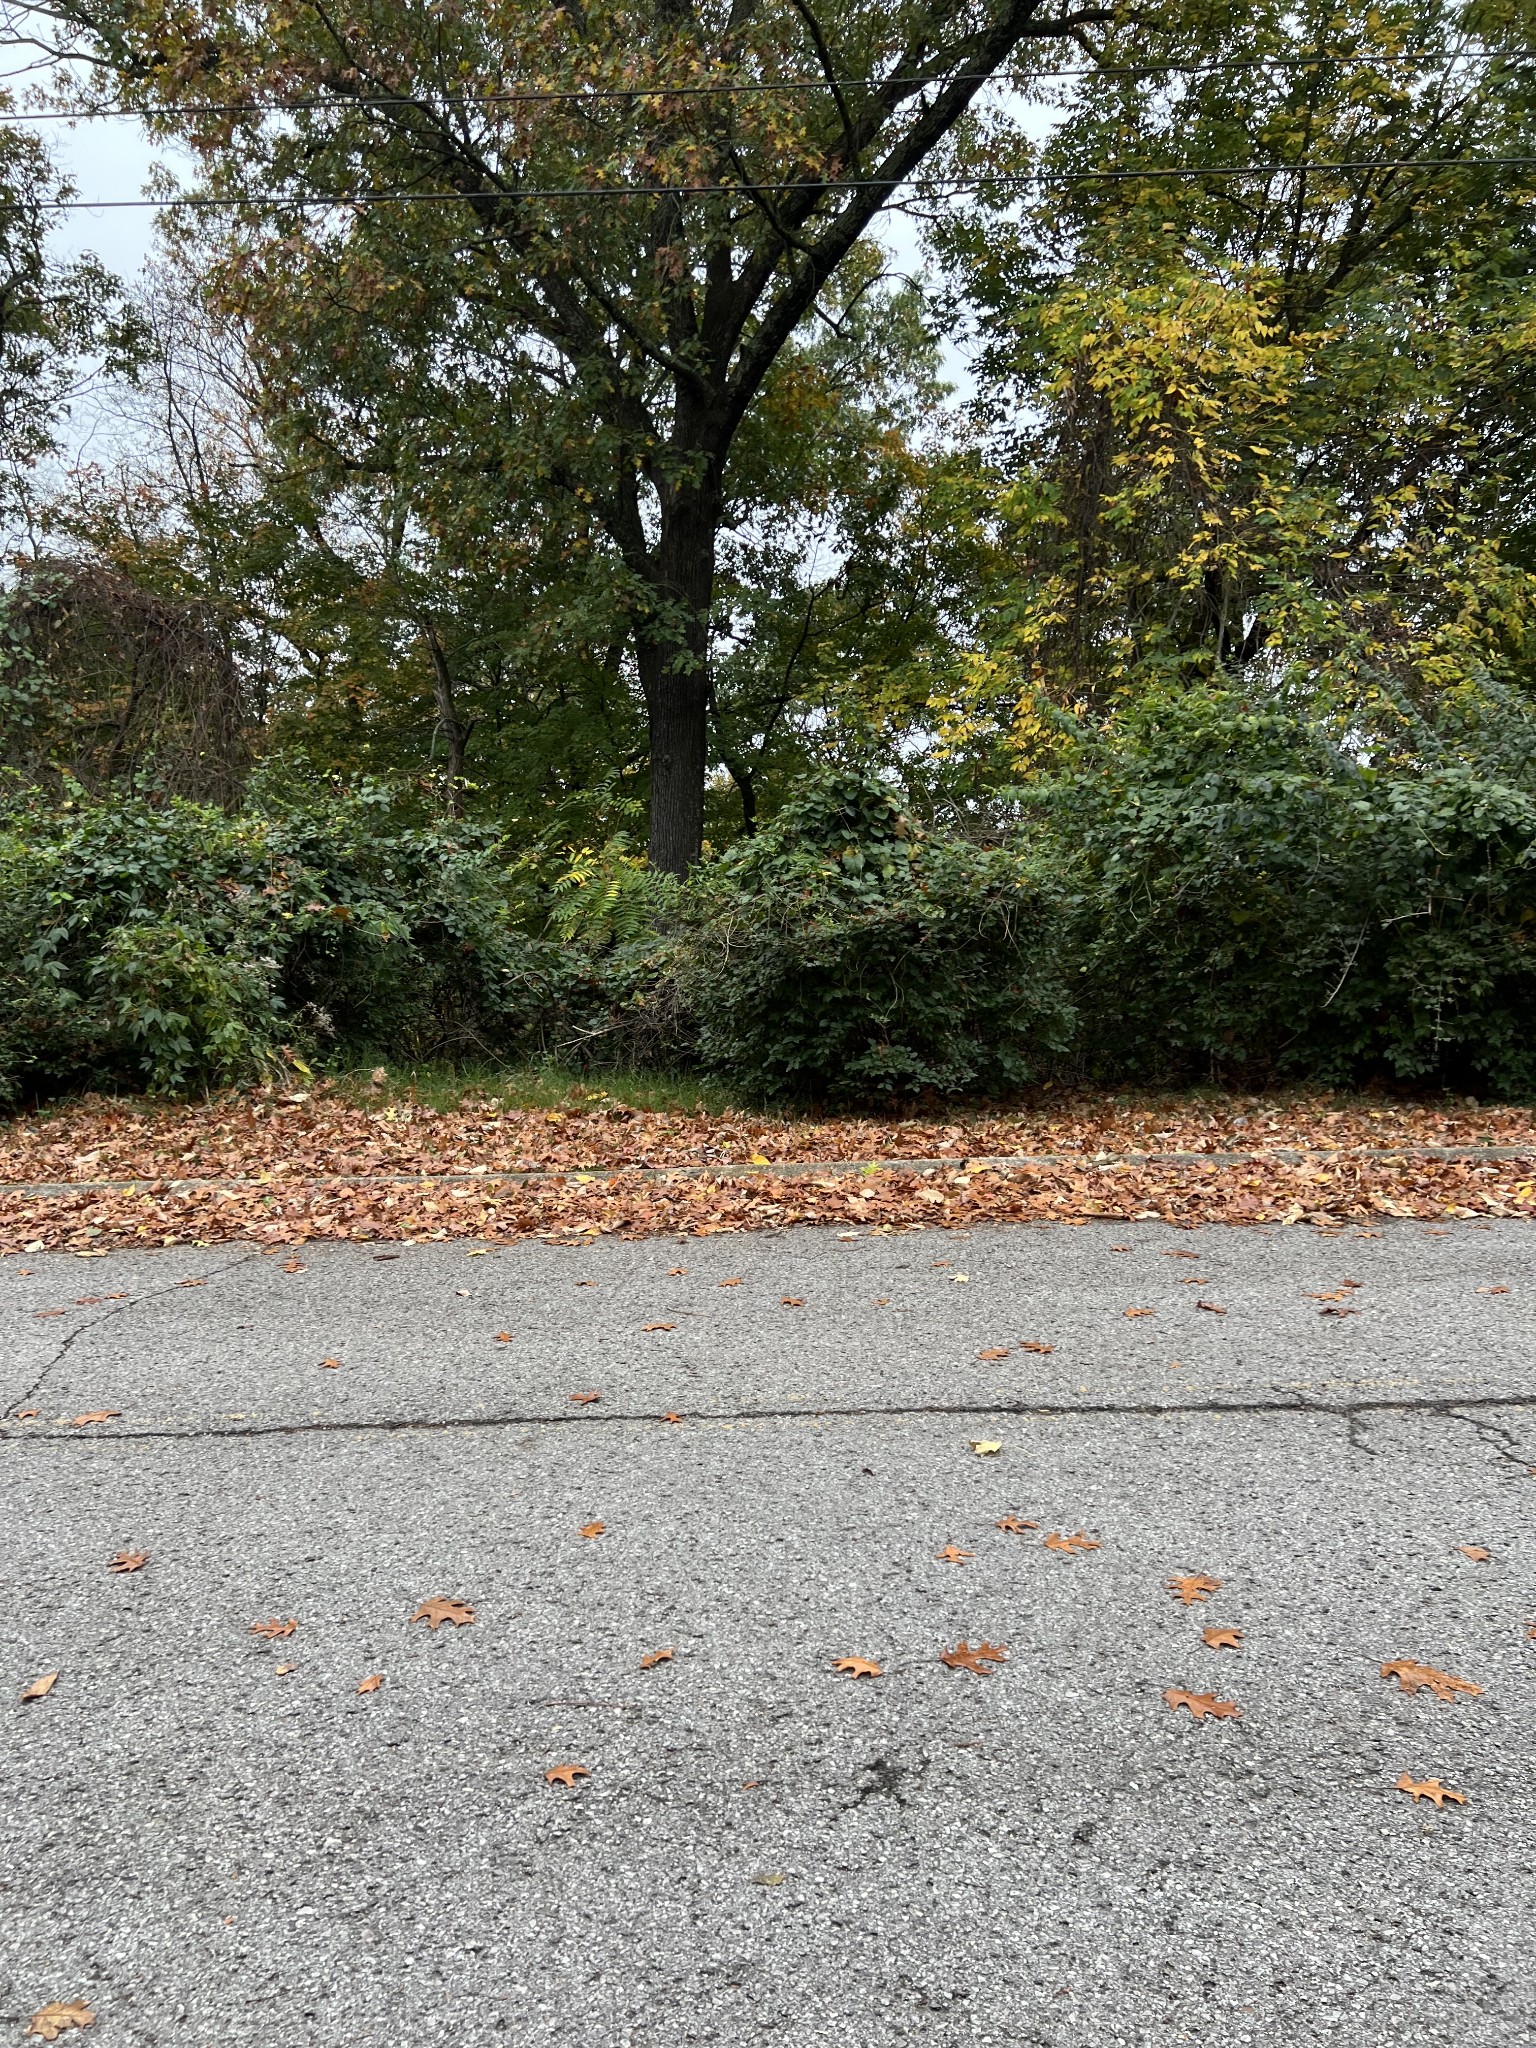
x=213 y=1851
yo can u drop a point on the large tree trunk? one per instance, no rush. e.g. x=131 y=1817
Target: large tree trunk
x=672 y=646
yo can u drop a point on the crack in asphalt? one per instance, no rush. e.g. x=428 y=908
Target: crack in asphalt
x=1346 y=1411
x=1499 y=1440
x=34 y=1391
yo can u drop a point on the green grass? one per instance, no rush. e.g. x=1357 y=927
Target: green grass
x=442 y=1086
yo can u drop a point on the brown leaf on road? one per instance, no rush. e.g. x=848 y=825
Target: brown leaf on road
x=590 y=1529
x=1221 y=1638
x=503 y=1336
x=964 y=1658
x=441 y=1608
x=730 y=1283
x=676 y=1272
x=1071 y=1546
x=658 y=1326
x=672 y=1416
x=274 y=1631
x=1493 y=1290
x=1415 y=1678
x=283 y=1670
x=98 y=1415
x=1014 y=1525
x=293 y=1265
x=654 y=1657
x=40 y=1688
x=129 y=1561
x=857 y=1667
x=372 y=1683
x=1338 y=1294
x=1201 y=1704
x=583 y=1400
x=1181 y=1255
x=331 y=1364
x=1210 y=1308
x=1429 y=1788
x=566 y=1774
x=1338 y=1311
x=27 y=1414
x=1132 y=1313
x=1041 y=1350
x=46 y=1314
x=59 y=2017
x=792 y=1301
x=1475 y=1551
x=1192 y=1586
x=950 y=1554
x=995 y=1352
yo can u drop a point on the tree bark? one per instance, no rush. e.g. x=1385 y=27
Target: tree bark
x=455 y=734
x=672 y=648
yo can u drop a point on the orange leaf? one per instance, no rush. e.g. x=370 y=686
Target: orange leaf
x=1131 y=1313
x=676 y=1272
x=1070 y=1546
x=293 y=1265
x=503 y=1336
x=950 y=1555
x=274 y=1631
x=98 y=1415
x=372 y=1682
x=1221 y=1638
x=963 y=1658
x=1201 y=1704
x=671 y=1416
x=331 y=1364
x=1012 y=1525
x=1413 y=1678
x=658 y=1326
x=441 y=1608
x=60 y=2017
x=1493 y=1290
x=593 y=1528
x=584 y=1400
x=654 y=1657
x=792 y=1300
x=857 y=1667
x=40 y=1688
x=284 y=1669
x=1475 y=1551
x=1429 y=1788
x=730 y=1283
x=1041 y=1350
x=1211 y=1308
x=566 y=1774
x=995 y=1353
x=129 y=1561
x=1192 y=1586
x=27 y=1414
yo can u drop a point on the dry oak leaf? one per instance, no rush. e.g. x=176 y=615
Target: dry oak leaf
x=129 y=1561
x=584 y=1400
x=950 y=1554
x=995 y=1352
x=1131 y=1313
x=986 y=1446
x=792 y=1300
x=331 y=1364
x=1014 y=1525
x=274 y=1631
x=730 y=1283
x=27 y=1414
x=1475 y=1551
x=1493 y=1290
x=566 y=1774
x=436 y=1611
x=1211 y=1308
x=1201 y=1704
x=672 y=1416
x=1338 y=1311
x=1429 y=1788
x=964 y=1658
x=654 y=1657
x=98 y=1415
x=1071 y=1545
x=658 y=1326
x=593 y=1529
x=40 y=1688
x=1221 y=1638
x=1042 y=1350
x=293 y=1265
x=372 y=1682
x=857 y=1667
x=1192 y=1586
x=676 y=1272
x=60 y=2017
x=1413 y=1678
x=503 y=1336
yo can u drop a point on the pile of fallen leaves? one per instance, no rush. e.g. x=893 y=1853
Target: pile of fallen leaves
x=290 y=1168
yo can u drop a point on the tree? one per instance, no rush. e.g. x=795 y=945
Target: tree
x=598 y=355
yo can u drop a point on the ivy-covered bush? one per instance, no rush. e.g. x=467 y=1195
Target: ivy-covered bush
x=844 y=954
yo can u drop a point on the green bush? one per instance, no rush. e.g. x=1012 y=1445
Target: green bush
x=843 y=954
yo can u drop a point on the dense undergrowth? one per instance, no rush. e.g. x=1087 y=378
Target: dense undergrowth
x=1205 y=890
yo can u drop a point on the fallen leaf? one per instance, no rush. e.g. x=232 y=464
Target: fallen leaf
x=1071 y=1545
x=792 y=1300
x=882 y=1301
x=1338 y=1294
x=1493 y=1290
x=274 y=1631
x=1429 y=1788
x=658 y=1326
x=27 y=1414
x=1210 y=1308
x=87 y=1300
x=584 y=1400
x=1119 y=1247
x=654 y=1657
x=676 y=1272
x=1181 y=1255
x=1201 y=1704
x=768 y=1876
x=129 y=1561
x=985 y=1447
x=1413 y=1678
x=994 y=1353
x=1338 y=1311
x=191 y=1283
x=963 y=1658
x=98 y=1415
x=372 y=1682
x=750 y=1784
x=1042 y=1350
x=566 y=1774
x=586 y=1283
x=503 y=1336
x=1221 y=1638
x=857 y=1667
x=671 y=1416
x=950 y=1555
x=1131 y=1313
x=284 y=1669
x=1475 y=1551
x=593 y=1528
x=1012 y=1525
x=959 y=1279
x=730 y=1283
x=1192 y=1586
x=40 y=1688
x=331 y=1364
x=46 y=1314
x=60 y=2017
x=441 y=1608
x=293 y=1266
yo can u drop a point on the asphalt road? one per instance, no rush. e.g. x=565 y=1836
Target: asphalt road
x=212 y=1851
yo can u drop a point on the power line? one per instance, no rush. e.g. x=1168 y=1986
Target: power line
x=208 y=201
x=752 y=88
